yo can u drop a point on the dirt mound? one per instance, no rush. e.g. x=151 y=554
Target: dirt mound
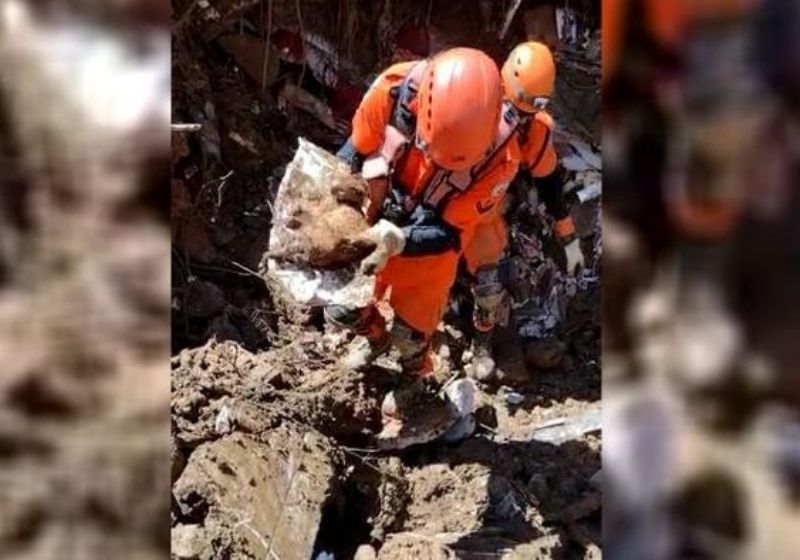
x=238 y=416
x=237 y=490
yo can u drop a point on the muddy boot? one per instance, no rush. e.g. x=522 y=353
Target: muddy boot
x=415 y=413
x=363 y=351
x=483 y=365
x=374 y=341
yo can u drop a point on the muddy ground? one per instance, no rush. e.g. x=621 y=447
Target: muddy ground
x=499 y=490
x=272 y=443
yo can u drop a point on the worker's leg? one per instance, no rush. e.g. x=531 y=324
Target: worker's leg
x=488 y=294
x=418 y=308
x=482 y=256
x=367 y=322
x=416 y=359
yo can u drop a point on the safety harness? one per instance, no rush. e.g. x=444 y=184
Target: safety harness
x=443 y=184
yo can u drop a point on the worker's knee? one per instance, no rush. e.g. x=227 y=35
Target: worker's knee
x=488 y=294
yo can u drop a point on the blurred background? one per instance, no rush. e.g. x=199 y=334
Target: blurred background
x=701 y=278
x=701 y=274
x=84 y=279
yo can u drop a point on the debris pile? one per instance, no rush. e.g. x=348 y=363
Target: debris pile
x=251 y=375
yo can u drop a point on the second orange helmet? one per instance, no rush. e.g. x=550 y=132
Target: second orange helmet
x=529 y=73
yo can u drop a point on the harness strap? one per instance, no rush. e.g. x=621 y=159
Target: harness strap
x=443 y=185
x=403 y=117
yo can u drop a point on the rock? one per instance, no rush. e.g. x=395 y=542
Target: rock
x=462 y=394
x=177 y=461
x=546 y=353
x=365 y=552
x=508 y=351
x=246 y=492
x=462 y=429
x=411 y=545
x=189 y=542
x=544 y=547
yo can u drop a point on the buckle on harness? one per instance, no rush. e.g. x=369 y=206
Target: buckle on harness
x=381 y=164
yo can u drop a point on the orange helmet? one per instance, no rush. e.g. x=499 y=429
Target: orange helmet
x=459 y=107
x=529 y=76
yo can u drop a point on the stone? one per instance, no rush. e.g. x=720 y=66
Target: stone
x=188 y=542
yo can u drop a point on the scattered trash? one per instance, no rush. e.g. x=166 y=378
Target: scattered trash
x=462 y=394
x=225 y=421
x=560 y=430
x=513 y=398
x=576 y=155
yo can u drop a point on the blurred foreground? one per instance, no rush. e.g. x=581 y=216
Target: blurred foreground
x=84 y=274
x=701 y=279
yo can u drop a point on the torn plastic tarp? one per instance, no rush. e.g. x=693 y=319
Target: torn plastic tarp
x=317 y=171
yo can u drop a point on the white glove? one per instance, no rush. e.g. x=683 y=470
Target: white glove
x=389 y=241
x=572 y=251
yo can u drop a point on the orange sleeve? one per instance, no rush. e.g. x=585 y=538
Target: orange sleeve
x=374 y=111
x=538 y=153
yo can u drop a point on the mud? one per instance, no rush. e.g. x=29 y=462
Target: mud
x=498 y=491
x=253 y=376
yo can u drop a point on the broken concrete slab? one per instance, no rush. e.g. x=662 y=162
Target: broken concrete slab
x=253 y=497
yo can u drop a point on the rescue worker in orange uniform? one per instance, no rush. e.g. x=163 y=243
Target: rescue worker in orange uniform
x=429 y=139
x=528 y=82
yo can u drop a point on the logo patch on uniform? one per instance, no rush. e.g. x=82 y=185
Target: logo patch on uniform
x=484 y=206
x=499 y=189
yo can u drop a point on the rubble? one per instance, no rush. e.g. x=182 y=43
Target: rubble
x=255 y=498
x=468 y=496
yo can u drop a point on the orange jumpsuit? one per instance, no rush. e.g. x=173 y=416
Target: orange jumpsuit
x=419 y=287
x=537 y=154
